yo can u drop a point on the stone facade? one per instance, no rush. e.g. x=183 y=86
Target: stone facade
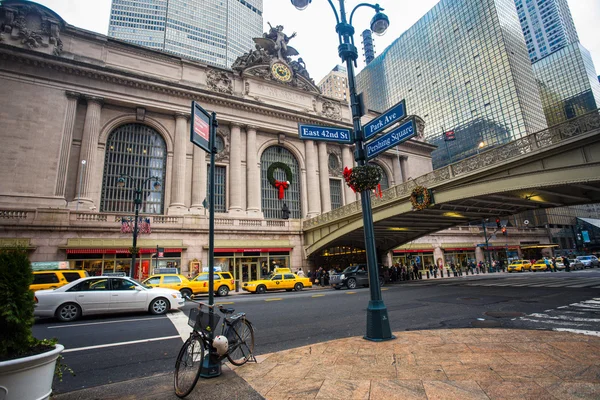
x=65 y=90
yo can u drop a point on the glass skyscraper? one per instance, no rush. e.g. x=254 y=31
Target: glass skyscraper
x=212 y=31
x=462 y=67
x=547 y=26
x=568 y=83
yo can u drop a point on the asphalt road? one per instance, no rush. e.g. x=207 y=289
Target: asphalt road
x=118 y=348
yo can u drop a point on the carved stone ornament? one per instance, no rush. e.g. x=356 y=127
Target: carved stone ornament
x=219 y=81
x=30 y=26
x=223 y=154
x=331 y=110
x=270 y=60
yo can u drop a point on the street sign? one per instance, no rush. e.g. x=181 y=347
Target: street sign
x=448 y=136
x=200 y=127
x=326 y=133
x=391 y=139
x=386 y=119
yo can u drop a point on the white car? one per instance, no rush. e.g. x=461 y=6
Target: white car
x=589 y=261
x=103 y=295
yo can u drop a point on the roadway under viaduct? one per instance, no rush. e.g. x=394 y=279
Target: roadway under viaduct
x=559 y=166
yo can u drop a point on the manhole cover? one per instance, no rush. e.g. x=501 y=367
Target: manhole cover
x=486 y=324
x=504 y=314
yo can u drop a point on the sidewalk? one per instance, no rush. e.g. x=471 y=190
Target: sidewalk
x=437 y=364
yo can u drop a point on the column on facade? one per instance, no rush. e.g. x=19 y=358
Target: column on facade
x=235 y=170
x=404 y=168
x=324 y=177
x=314 y=200
x=397 y=170
x=199 y=179
x=348 y=161
x=89 y=150
x=252 y=173
x=65 y=147
x=177 y=205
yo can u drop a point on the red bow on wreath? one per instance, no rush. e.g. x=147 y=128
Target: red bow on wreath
x=281 y=185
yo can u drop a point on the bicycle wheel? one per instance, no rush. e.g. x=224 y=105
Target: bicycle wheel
x=242 y=344
x=188 y=365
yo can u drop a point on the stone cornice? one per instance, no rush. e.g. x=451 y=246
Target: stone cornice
x=129 y=79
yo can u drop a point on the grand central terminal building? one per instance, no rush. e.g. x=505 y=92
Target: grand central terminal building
x=79 y=110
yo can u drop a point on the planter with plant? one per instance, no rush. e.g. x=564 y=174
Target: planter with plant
x=27 y=365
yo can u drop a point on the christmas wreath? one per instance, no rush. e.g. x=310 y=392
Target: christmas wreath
x=362 y=177
x=134 y=250
x=279 y=185
x=420 y=198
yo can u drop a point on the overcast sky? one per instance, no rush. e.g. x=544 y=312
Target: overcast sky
x=316 y=40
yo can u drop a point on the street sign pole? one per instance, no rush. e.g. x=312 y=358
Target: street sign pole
x=203 y=134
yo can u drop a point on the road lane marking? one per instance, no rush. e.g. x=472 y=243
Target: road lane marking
x=582 y=331
x=382 y=289
x=318 y=295
x=350 y=292
x=223 y=303
x=180 y=322
x=105 y=322
x=101 y=346
x=277 y=299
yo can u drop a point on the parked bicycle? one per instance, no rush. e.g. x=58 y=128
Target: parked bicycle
x=235 y=342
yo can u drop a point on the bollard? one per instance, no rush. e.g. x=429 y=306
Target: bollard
x=427 y=274
x=435 y=273
x=420 y=275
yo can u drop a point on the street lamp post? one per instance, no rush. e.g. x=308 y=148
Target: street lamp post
x=378 y=324
x=137 y=201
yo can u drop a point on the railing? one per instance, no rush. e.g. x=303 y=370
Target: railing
x=496 y=156
x=75 y=219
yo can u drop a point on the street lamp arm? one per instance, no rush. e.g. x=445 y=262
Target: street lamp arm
x=337 y=17
x=375 y=7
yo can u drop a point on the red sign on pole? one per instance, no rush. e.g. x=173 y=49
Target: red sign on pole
x=201 y=125
x=449 y=136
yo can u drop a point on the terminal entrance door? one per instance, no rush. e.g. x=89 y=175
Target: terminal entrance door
x=247 y=270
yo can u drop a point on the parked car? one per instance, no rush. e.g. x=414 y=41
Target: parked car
x=223 y=283
x=589 y=261
x=52 y=279
x=283 y=278
x=519 y=266
x=541 y=265
x=575 y=264
x=175 y=282
x=104 y=295
x=354 y=276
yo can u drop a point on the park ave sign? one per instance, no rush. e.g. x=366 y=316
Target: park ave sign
x=391 y=139
x=394 y=114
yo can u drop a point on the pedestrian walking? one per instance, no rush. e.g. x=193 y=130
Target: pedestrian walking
x=300 y=273
x=567 y=264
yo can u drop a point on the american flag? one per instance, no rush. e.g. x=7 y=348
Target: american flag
x=126 y=225
x=144 y=226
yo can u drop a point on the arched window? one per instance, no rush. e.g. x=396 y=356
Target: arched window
x=140 y=152
x=271 y=205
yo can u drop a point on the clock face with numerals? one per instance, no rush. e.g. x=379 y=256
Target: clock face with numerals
x=281 y=72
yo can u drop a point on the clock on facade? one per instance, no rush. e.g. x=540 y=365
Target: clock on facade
x=281 y=72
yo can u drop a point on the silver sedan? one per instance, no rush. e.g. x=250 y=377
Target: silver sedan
x=104 y=295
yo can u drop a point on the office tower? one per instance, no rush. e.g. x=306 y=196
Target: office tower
x=462 y=67
x=368 y=47
x=547 y=26
x=211 y=31
x=568 y=83
x=335 y=83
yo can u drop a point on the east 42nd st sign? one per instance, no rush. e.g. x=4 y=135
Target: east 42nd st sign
x=327 y=133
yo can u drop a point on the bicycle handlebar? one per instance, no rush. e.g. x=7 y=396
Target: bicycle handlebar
x=203 y=304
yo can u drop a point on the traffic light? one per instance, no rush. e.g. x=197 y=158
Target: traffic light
x=498 y=223
x=504 y=232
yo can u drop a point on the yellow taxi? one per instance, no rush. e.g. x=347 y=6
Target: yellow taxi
x=541 y=265
x=519 y=266
x=50 y=279
x=174 y=281
x=282 y=278
x=223 y=283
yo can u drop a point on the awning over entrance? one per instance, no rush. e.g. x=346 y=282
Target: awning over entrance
x=120 y=246
x=538 y=246
x=251 y=246
x=415 y=248
x=591 y=221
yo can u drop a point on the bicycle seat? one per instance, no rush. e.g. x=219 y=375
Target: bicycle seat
x=227 y=310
